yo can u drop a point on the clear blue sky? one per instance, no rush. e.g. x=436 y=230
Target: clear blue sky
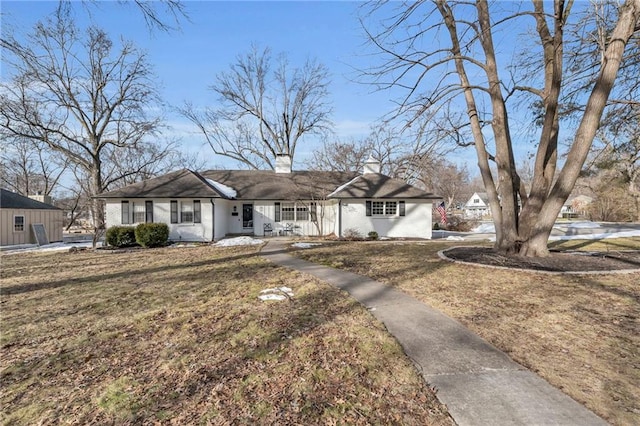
x=186 y=61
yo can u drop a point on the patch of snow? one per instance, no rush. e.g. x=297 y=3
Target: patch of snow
x=305 y=245
x=384 y=238
x=275 y=293
x=623 y=234
x=454 y=238
x=223 y=189
x=238 y=241
x=485 y=228
x=28 y=248
x=582 y=225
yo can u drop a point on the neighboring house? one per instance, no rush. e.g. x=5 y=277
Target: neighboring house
x=575 y=207
x=211 y=205
x=18 y=213
x=478 y=206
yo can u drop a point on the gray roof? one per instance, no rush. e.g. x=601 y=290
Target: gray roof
x=179 y=184
x=11 y=200
x=268 y=185
x=376 y=185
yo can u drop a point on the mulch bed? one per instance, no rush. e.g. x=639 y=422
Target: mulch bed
x=555 y=262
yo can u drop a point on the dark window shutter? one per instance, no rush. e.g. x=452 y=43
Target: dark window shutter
x=148 y=210
x=401 y=208
x=197 y=212
x=277 y=215
x=174 y=211
x=124 y=213
x=368 y=208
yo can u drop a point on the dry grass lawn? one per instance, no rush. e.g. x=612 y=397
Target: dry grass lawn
x=581 y=333
x=179 y=336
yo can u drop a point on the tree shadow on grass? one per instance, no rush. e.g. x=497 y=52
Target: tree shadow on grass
x=129 y=274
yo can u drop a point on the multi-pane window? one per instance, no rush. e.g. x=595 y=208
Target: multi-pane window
x=294 y=211
x=384 y=208
x=186 y=212
x=288 y=211
x=18 y=223
x=377 y=208
x=390 y=207
x=139 y=213
x=302 y=212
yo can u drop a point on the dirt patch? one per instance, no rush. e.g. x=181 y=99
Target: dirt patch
x=577 y=261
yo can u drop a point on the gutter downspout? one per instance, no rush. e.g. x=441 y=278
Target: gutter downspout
x=339 y=218
x=213 y=221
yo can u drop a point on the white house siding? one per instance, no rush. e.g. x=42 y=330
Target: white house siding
x=162 y=214
x=50 y=218
x=222 y=217
x=264 y=212
x=415 y=224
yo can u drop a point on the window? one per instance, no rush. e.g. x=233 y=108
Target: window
x=276 y=217
x=288 y=211
x=390 y=208
x=148 y=209
x=124 y=212
x=476 y=201
x=197 y=212
x=186 y=212
x=377 y=208
x=294 y=212
x=174 y=211
x=138 y=213
x=18 y=224
x=302 y=212
x=385 y=208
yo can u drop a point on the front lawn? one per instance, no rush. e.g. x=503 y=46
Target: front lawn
x=178 y=335
x=580 y=332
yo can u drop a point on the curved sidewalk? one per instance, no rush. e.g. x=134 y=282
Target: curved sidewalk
x=479 y=384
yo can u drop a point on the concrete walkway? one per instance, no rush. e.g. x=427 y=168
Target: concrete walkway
x=479 y=384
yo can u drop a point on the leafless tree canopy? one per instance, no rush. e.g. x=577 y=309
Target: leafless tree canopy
x=27 y=168
x=84 y=98
x=268 y=107
x=448 y=57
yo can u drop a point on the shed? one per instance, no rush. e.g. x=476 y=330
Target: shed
x=18 y=214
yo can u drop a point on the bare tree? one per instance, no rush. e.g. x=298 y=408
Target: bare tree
x=265 y=111
x=79 y=95
x=447 y=180
x=163 y=15
x=616 y=158
x=27 y=168
x=567 y=77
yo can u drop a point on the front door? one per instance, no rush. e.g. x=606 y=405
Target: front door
x=247 y=217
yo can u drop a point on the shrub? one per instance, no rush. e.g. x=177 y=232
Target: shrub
x=372 y=235
x=460 y=224
x=121 y=236
x=436 y=226
x=152 y=234
x=352 y=234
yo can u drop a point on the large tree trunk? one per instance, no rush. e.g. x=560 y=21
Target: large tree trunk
x=97 y=205
x=541 y=226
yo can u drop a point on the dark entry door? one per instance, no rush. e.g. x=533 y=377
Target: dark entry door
x=247 y=215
